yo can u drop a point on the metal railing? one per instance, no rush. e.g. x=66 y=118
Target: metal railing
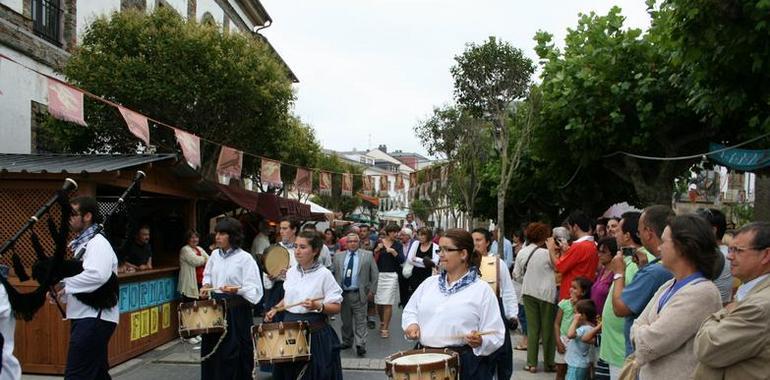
x=47 y=20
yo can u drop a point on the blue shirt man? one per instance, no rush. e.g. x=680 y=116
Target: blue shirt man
x=507 y=252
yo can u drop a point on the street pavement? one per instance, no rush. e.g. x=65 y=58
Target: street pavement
x=176 y=361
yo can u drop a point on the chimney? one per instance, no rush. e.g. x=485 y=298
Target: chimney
x=383 y=148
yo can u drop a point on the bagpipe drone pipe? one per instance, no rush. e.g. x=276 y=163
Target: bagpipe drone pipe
x=50 y=270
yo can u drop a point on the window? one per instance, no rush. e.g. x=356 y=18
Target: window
x=46 y=20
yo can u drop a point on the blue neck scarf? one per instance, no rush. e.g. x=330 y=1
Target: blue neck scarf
x=461 y=284
x=84 y=237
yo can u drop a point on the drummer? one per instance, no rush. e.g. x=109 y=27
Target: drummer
x=456 y=309
x=506 y=300
x=306 y=282
x=231 y=274
x=274 y=282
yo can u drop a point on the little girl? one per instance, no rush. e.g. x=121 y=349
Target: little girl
x=579 y=290
x=581 y=343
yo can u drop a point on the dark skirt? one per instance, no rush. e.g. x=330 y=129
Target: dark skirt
x=274 y=296
x=418 y=276
x=503 y=356
x=234 y=359
x=325 y=363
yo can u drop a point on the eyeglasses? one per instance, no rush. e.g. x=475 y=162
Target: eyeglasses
x=737 y=250
x=445 y=249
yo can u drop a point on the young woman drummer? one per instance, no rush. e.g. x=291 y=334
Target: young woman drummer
x=310 y=283
x=233 y=275
x=506 y=300
x=456 y=309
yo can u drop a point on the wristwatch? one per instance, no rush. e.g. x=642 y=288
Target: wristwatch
x=617 y=276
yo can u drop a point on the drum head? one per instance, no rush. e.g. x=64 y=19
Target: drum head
x=421 y=358
x=276 y=259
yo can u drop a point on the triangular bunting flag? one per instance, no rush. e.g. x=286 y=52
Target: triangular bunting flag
x=230 y=163
x=270 y=174
x=303 y=181
x=65 y=102
x=347 y=184
x=191 y=147
x=137 y=124
x=325 y=183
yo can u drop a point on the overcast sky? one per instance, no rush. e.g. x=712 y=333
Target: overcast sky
x=369 y=70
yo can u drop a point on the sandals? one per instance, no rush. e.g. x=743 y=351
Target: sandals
x=384 y=333
x=520 y=348
x=530 y=368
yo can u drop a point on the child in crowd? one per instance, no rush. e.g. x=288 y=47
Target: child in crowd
x=579 y=355
x=579 y=290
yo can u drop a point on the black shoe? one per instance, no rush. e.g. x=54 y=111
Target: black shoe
x=345 y=346
x=370 y=325
x=360 y=351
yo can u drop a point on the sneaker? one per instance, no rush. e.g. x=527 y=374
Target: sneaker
x=370 y=325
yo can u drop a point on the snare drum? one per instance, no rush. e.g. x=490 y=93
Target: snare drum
x=276 y=259
x=423 y=364
x=281 y=342
x=201 y=317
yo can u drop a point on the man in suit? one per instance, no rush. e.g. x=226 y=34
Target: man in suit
x=356 y=272
x=734 y=343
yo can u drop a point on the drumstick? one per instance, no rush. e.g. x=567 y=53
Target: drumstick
x=479 y=333
x=279 y=309
x=225 y=286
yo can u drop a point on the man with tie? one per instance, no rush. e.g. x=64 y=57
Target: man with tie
x=356 y=272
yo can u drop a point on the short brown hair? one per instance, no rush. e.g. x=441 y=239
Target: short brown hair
x=537 y=232
x=425 y=231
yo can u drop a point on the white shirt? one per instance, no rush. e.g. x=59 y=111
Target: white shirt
x=235 y=268
x=540 y=279
x=507 y=292
x=11 y=368
x=746 y=288
x=268 y=283
x=300 y=286
x=442 y=318
x=412 y=258
x=99 y=263
x=260 y=244
x=326 y=257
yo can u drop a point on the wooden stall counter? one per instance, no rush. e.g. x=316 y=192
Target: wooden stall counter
x=148 y=319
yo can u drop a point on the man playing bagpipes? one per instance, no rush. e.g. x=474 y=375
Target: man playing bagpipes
x=91 y=328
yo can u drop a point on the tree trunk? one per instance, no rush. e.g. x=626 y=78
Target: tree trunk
x=501 y=192
x=762 y=197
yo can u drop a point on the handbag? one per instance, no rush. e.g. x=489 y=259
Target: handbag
x=406 y=270
x=630 y=370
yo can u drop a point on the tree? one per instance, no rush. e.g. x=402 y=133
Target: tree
x=226 y=87
x=488 y=80
x=610 y=90
x=460 y=138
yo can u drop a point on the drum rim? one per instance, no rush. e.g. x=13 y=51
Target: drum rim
x=199 y=303
x=453 y=361
x=277 y=326
x=267 y=255
x=287 y=359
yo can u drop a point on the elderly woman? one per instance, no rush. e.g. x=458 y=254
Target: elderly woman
x=451 y=309
x=423 y=257
x=664 y=333
x=539 y=293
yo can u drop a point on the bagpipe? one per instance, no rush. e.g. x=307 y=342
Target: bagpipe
x=50 y=270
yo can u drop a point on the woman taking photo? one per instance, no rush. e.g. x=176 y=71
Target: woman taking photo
x=389 y=255
x=423 y=257
x=306 y=282
x=539 y=292
x=450 y=310
x=663 y=334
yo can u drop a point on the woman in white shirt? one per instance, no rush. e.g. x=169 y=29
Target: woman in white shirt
x=192 y=260
x=539 y=293
x=306 y=282
x=506 y=300
x=451 y=309
x=423 y=255
x=232 y=275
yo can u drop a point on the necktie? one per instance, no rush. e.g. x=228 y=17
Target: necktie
x=349 y=271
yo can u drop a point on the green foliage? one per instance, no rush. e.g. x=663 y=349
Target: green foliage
x=610 y=90
x=227 y=87
x=421 y=208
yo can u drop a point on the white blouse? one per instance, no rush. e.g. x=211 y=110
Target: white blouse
x=445 y=320
x=416 y=261
x=507 y=292
x=300 y=286
x=236 y=268
x=540 y=279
